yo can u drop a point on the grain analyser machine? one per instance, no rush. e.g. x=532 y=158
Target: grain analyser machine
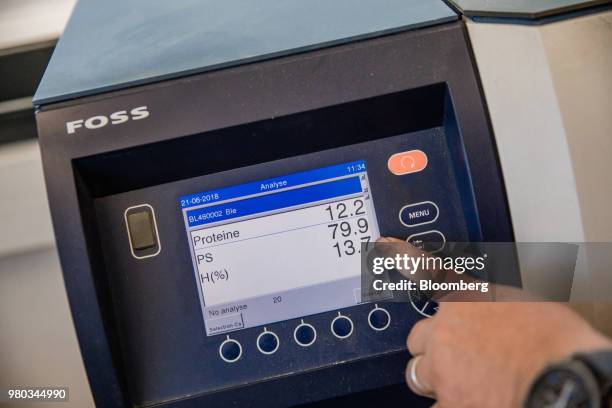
x=213 y=168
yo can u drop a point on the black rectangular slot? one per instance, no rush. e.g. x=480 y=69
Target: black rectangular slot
x=292 y=135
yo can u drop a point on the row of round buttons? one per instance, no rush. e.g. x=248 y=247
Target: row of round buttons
x=304 y=334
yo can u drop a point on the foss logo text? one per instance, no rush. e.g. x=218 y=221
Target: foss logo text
x=115 y=118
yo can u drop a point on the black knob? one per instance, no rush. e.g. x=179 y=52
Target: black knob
x=305 y=334
x=379 y=319
x=267 y=342
x=342 y=327
x=230 y=350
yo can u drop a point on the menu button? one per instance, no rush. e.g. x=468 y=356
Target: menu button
x=416 y=214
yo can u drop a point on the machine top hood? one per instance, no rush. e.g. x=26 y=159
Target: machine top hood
x=116 y=44
x=523 y=9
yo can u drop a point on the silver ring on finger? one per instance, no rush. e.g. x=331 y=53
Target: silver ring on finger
x=413 y=380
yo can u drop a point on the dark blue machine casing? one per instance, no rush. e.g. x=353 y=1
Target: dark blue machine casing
x=383 y=80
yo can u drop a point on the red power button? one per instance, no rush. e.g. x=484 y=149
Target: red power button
x=408 y=162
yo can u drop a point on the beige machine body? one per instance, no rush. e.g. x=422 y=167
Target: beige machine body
x=548 y=88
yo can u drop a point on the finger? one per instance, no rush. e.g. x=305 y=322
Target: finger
x=418 y=376
x=436 y=405
x=391 y=247
x=418 y=336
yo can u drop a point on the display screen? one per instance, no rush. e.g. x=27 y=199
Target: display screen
x=280 y=248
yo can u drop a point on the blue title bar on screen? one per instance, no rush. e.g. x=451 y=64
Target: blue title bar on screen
x=276 y=183
x=274 y=201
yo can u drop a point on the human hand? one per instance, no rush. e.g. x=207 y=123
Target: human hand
x=486 y=354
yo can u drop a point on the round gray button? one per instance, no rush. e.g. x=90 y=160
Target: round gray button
x=342 y=327
x=267 y=342
x=379 y=319
x=230 y=350
x=305 y=334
